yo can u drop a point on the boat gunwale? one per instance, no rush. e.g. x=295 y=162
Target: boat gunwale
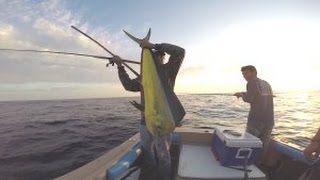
x=96 y=169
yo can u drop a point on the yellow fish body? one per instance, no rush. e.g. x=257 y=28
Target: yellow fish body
x=158 y=115
x=162 y=108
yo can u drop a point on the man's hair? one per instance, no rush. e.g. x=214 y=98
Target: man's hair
x=249 y=68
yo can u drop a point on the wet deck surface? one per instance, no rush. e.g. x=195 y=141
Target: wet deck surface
x=284 y=168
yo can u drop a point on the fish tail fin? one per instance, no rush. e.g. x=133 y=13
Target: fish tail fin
x=137 y=40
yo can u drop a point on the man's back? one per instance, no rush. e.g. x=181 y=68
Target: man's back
x=260 y=96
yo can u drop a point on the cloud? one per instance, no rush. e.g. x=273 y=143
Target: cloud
x=45 y=25
x=195 y=70
x=279 y=48
x=6 y=30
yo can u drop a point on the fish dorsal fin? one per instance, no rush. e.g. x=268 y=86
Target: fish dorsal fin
x=137 y=40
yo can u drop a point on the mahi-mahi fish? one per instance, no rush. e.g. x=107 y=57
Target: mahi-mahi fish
x=163 y=110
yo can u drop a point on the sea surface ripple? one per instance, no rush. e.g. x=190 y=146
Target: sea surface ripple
x=46 y=139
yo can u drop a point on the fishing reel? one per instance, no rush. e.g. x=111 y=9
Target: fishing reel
x=114 y=60
x=110 y=63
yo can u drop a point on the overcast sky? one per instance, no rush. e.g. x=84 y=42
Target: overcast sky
x=281 y=38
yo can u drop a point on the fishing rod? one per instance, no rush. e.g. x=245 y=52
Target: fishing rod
x=67 y=53
x=124 y=63
x=222 y=94
x=214 y=94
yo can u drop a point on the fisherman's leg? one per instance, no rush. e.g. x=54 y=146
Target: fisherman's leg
x=162 y=147
x=264 y=134
x=149 y=165
x=253 y=131
x=265 y=137
x=146 y=142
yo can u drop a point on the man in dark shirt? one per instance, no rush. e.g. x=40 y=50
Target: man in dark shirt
x=170 y=69
x=259 y=95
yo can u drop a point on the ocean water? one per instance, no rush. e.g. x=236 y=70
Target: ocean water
x=46 y=139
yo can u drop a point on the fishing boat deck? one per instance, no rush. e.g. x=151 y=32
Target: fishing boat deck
x=191 y=159
x=198 y=162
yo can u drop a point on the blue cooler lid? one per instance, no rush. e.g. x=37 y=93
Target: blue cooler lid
x=233 y=137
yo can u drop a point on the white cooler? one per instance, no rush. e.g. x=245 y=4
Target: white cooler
x=234 y=147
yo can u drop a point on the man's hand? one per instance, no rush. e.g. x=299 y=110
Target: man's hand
x=239 y=94
x=117 y=60
x=137 y=105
